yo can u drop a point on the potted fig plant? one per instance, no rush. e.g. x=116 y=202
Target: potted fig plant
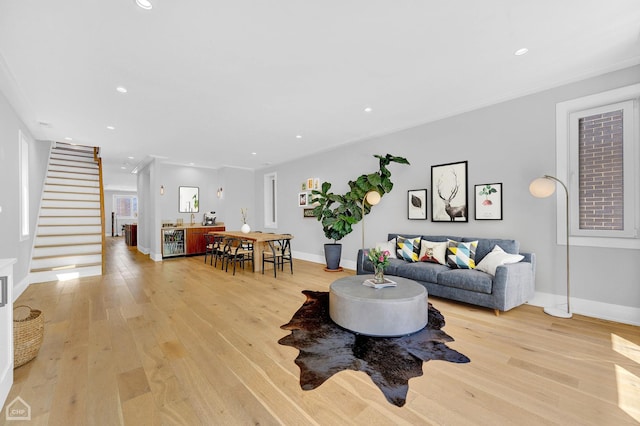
x=338 y=213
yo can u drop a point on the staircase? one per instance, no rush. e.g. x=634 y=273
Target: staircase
x=70 y=231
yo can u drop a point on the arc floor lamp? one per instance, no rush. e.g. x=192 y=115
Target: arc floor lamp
x=372 y=198
x=543 y=187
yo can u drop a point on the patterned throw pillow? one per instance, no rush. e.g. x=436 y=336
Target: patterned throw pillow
x=462 y=255
x=389 y=246
x=433 y=252
x=408 y=248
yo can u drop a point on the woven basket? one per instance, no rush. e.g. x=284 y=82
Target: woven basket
x=28 y=332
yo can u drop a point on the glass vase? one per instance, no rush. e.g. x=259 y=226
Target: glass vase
x=378 y=277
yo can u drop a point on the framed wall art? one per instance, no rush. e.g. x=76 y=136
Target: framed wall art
x=302 y=199
x=488 y=201
x=449 y=198
x=417 y=204
x=307 y=213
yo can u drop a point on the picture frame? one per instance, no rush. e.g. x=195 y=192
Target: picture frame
x=488 y=201
x=417 y=204
x=307 y=213
x=449 y=195
x=303 y=199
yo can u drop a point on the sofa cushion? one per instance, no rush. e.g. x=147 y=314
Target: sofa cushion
x=496 y=258
x=466 y=279
x=434 y=252
x=461 y=255
x=408 y=248
x=420 y=271
x=389 y=246
x=485 y=245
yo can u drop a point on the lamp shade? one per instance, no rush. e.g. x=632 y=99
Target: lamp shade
x=542 y=187
x=372 y=197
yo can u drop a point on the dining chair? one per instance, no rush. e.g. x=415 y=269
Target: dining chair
x=214 y=247
x=238 y=251
x=277 y=252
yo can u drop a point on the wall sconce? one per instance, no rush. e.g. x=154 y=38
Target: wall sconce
x=161 y=189
x=219 y=193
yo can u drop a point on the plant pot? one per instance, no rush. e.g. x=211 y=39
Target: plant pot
x=332 y=254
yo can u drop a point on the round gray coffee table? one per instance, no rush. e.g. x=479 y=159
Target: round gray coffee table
x=389 y=311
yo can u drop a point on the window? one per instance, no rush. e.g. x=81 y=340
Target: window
x=597 y=156
x=23 y=153
x=125 y=206
x=270 y=200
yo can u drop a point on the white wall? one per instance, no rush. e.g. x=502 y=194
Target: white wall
x=12 y=247
x=512 y=142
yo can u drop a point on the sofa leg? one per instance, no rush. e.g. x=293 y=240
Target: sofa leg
x=497 y=312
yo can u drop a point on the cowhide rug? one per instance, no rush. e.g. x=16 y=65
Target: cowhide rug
x=326 y=349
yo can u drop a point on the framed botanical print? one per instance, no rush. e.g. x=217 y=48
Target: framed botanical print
x=449 y=198
x=488 y=201
x=417 y=204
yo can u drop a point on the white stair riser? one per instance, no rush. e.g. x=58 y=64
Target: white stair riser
x=67 y=188
x=70 y=151
x=71 y=204
x=68 y=230
x=94 y=220
x=57 y=154
x=68 y=239
x=57 y=262
x=61 y=162
x=69 y=212
x=46 y=276
x=72 y=196
x=67 y=250
x=74 y=174
x=68 y=182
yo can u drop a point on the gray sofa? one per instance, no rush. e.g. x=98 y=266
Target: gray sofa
x=512 y=285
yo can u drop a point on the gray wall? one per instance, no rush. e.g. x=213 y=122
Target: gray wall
x=12 y=247
x=512 y=142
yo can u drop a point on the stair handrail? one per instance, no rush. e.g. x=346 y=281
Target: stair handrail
x=98 y=159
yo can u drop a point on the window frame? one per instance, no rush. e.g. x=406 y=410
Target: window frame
x=115 y=204
x=271 y=200
x=568 y=115
x=23 y=164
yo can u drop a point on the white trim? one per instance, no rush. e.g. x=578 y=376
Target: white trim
x=564 y=110
x=590 y=308
x=23 y=185
x=270 y=191
x=20 y=288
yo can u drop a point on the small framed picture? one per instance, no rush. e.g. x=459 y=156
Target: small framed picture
x=309 y=184
x=417 y=204
x=488 y=201
x=316 y=183
x=302 y=199
x=307 y=213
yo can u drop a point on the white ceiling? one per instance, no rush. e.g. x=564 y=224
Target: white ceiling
x=211 y=82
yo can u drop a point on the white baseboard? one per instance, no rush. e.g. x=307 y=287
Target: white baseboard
x=20 y=288
x=317 y=258
x=590 y=308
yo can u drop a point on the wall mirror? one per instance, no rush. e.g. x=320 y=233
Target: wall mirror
x=189 y=199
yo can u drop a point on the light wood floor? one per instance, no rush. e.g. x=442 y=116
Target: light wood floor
x=179 y=342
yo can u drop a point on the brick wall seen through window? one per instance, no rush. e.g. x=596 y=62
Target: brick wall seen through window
x=601 y=177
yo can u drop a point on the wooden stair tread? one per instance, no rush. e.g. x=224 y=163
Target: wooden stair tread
x=61 y=256
x=92 y=234
x=68 y=245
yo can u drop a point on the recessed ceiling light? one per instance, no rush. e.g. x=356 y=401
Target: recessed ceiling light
x=121 y=89
x=144 y=4
x=368 y=109
x=521 y=52
x=111 y=128
x=191 y=164
x=68 y=138
x=254 y=153
x=123 y=167
x=130 y=158
x=298 y=136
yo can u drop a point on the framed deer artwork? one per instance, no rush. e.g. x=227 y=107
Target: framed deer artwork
x=449 y=197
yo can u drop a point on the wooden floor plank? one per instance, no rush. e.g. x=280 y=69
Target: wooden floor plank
x=182 y=342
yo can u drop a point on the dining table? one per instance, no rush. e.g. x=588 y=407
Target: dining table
x=260 y=242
